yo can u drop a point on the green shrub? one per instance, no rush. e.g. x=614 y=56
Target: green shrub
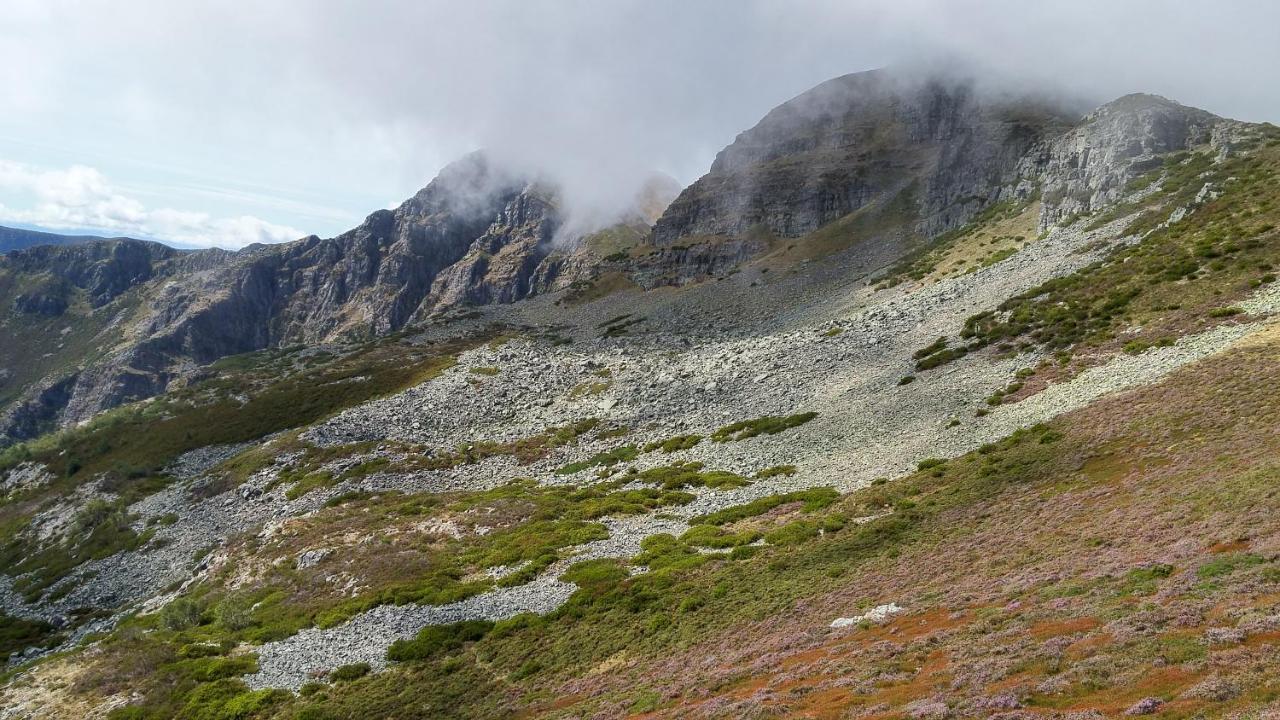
x=940 y=358
x=608 y=458
x=674 y=444
x=438 y=640
x=353 y=671
x=595 y=573
x=690 y=474
x=937 y=346
x=812 y=499
x=234 y=612
x=665 y=552
x=713 y=536
x=180 y=614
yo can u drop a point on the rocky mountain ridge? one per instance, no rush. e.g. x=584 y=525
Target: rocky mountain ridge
x=910 y=158
x=475 y=235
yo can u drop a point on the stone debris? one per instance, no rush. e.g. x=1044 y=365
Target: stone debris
x=875 y=615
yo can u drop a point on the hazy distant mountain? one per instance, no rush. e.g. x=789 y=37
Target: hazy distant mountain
x=17 y=238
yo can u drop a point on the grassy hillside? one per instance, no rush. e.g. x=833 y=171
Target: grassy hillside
x=127 y=450
x=1127 y=553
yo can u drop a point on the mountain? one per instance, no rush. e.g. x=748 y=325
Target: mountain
x=927 y=401
x=123 y=320
x=883 y=159
x=861 y=139
x=18 y=238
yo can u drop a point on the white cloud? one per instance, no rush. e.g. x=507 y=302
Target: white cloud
x=80 y=198
x=315 y=104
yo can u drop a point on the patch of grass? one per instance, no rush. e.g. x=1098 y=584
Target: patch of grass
x=1225 y=312
x=712 y=536
x=954 y=249
x=812 y=500
x=309 y=482
x=346 y=673
x=804 y=530
x=1137 y=347
x=674 y=444
x=608 y=458
x=1144 y=580
x=768 y=425
x=1223 y=565
x=687 y=475
x=18 y=634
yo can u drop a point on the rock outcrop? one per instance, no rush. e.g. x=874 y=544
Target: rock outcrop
x=1089 y=166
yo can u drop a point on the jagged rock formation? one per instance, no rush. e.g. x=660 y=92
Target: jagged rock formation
x=1089 y=166
x=477 y=234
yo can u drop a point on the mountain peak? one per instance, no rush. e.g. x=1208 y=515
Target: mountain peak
x=861 y=139
x=1134 y=103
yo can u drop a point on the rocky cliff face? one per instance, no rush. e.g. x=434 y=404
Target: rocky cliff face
x=103 y=270
x=1089 y=166
x=859 y=138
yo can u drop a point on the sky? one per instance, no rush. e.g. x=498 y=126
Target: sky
x=228 y=122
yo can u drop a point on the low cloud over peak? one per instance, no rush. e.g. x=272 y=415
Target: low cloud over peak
x=333 y=108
